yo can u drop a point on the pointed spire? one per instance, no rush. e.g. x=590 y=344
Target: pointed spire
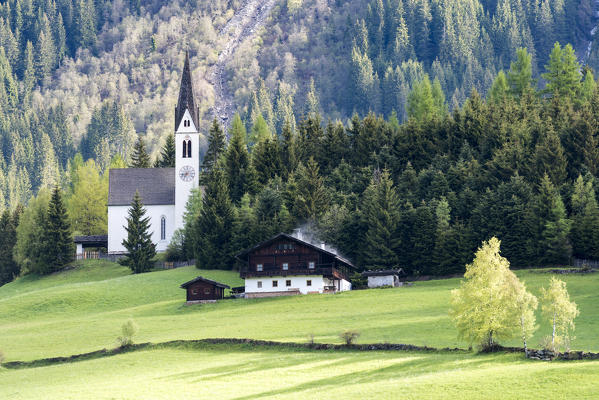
x=186 y=97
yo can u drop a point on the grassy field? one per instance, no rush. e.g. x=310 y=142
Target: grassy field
x=235 y=372
x=82 y=310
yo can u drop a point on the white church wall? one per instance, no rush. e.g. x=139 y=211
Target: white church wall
x=182 y=187
x=117 y=219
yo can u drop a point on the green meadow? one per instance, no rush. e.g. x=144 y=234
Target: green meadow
x=82 y=310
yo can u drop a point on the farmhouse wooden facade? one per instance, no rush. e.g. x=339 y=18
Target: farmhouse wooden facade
x=285 y=265
x=200 y=289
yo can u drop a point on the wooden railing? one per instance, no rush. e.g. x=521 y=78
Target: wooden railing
x=294 y=269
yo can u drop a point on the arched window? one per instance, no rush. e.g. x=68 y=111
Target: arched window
x=185 y=149
x=189 y=148
x=163 y=228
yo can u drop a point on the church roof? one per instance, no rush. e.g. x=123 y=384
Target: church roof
x=156 y=186
x=186 y=98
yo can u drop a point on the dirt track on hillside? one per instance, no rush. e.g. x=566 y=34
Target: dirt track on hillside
x=243 y=25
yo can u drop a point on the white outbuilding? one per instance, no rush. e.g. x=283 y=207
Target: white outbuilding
x=381 y=278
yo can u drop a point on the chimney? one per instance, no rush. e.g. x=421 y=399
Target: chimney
x=323 y=246
x=298 y=233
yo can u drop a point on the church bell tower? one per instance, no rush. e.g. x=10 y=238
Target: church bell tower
x=187 y=139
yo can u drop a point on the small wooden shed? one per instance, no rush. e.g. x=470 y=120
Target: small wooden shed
x=200 y=289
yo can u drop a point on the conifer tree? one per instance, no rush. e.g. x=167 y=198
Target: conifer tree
x=562 y=76
x=58 y=246
x=140 y=249
x=312 y=197
x=555 y=226
x=240 y=174
x=9 y=269
x=266 y=160
x=167 y=154
x=520 y=74
x=381 y=214
x=217 y=144
x=585 y=220
x=213 y=227
x=140 y=157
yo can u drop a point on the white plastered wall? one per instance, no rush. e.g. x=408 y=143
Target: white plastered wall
x=117 y=220
x=297 y=283
x=182 y=188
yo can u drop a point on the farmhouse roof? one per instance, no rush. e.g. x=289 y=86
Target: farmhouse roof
x=384 y=272
x=202 y=279
x=186 y=98
x=303 y=242
x=156 y=186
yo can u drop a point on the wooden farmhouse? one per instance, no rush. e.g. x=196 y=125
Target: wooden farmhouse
x=202 y=289
x=287 y=265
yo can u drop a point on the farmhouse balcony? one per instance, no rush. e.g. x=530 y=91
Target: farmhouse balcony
x=326 y=270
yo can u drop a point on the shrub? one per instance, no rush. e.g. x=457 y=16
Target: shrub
x=349 y=337
x=129 y=329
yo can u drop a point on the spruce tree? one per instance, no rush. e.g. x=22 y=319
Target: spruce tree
x=140 y=157
x=240 y=174
x=312 y=196
x=381 y=214
x=555 y=226
x=9 y=269
x=585 y=220
x=214 y=226
x=140 y=249
x=217 y=144
x=58 y=246
x=520 y=74
x=167 y=154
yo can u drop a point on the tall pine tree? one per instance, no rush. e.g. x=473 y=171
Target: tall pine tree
x=140 y=249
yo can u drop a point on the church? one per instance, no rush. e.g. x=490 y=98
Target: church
x=163 y=191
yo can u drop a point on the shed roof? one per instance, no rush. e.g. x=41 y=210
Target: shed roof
x=156 y=186
x=293 y=238
x=202 y=279
x=100 y=240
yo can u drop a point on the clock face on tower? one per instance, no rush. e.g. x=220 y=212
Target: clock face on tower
x=186 y=173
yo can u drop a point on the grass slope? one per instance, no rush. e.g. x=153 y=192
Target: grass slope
x=82 y=310
x=236 y=372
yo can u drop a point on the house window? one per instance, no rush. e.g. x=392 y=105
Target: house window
x=285 y=266
x=194 y=291
x=288 y=282
x=259 y=284
x=163 y=228
x=275 y=283
x=311 y=265
x=207 y=291
x=259 y=267
x=309 y=282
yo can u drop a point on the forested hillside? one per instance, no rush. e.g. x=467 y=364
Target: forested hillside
x=87 y=75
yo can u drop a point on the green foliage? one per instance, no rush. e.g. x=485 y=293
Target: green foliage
x=311 y=199
x=140 y=249
x=57 y=244
x=140 y=157
x=562 y=76
x=9 y=268
x=240 y=174
x=213 y=226
x=87 y=203
x=128 y=330
x=167 y=154
x=217 y=145
x=491 y=304
x=30 y=234
x=381 y=214
x=560 y=312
